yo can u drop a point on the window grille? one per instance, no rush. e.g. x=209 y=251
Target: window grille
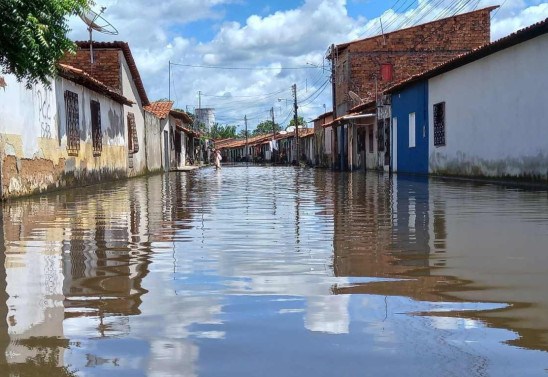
x=371 y=140
x=96 y=133
x=133 y=142
x=439 y=124
x=72 y=123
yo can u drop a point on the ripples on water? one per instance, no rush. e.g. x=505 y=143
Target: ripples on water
x=276 y=272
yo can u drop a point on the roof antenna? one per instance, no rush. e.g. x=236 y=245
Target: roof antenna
x=96 y=22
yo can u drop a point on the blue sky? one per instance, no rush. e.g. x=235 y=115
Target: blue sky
x=267 y=36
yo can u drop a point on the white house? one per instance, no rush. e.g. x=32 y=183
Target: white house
x=486 y=112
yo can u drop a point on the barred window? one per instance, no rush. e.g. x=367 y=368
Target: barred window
x=371 y=140
x=439 y=124
x=96 y=133
x=72 y=114
x=133 y=142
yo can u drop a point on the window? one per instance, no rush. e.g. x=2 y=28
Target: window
x=386 y=72
x=412 y=130
x=380 y=135
x=96 y=134
x=132 y=142
x=72 y=122
x=371 y=139
x=439 y=124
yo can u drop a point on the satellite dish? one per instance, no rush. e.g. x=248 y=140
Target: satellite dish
x=356 y=98
x=98 y=23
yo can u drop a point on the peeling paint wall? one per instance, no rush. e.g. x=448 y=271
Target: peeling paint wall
x=153 y=131
x=129 y=90
x=496 y=115
x=33 y=139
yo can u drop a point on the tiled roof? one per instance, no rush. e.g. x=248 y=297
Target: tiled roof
x=159 y=108
x=124 y=46
x=80 y=77
x=181 y=115
x=513 y=39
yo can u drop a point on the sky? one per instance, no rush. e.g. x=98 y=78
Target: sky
x=241 y=57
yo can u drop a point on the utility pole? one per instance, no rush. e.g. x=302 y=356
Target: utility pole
x=199 y=99
x=273 y=134
x=296 y=119
x=169 y=78
x=245 y=121
x=334 y=140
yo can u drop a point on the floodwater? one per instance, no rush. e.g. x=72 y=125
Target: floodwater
x=261 y=271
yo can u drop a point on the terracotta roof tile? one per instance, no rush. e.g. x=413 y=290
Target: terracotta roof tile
x=159 y=108
x=80 y=77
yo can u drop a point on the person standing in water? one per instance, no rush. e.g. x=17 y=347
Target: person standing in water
x=217 y=158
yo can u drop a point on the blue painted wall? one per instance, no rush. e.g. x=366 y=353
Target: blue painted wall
x=409 y=100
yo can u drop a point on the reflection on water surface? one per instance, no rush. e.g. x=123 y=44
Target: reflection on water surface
x=275 y=271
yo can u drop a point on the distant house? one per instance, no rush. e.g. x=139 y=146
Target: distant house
x=71 y=133
x=173 y=136
x=113 y=65
x=323 y=138
x=362 y=69
x=482 y=114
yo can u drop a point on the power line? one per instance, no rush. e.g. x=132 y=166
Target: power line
x=240 y=68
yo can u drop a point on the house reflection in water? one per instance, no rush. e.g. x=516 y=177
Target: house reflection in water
x=63 y=259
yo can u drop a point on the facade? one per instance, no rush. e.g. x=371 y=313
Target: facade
x=323 y=139
x=410 y=129
x=69 y=134
x=363 y=69
x=113 y=65
x=486 y=112
x=175 y=139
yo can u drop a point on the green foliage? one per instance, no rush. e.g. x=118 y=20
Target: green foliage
x=300 y=121
x=222 y=132
x=266 y=127
x=242 y=134
x=33 y=36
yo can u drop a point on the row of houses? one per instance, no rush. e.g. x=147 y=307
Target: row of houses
x=437 y=98
x=94 y=122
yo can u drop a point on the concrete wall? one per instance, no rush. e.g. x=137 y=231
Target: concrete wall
x=496 y=115
x=129 y=90
x=153 y=136
x=33 y=139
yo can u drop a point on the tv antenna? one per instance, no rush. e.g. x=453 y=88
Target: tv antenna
x=355 y=98
x=98 y=23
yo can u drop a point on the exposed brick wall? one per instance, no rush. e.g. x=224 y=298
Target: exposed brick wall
x=105 y=67
x=410 y=51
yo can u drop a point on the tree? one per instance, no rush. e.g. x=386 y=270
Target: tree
x=33 y=37
x=222 y=132
x=242 y=134
x=266 y=127
x=300 y=121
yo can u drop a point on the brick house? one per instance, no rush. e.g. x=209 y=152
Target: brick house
x=113 y=65
x=364 y=68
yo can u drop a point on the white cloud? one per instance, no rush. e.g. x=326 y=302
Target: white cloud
x=290 y=38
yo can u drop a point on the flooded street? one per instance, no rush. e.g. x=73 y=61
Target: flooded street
x=261 y=271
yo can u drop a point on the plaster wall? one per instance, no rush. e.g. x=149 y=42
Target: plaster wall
x=153 y=131
x=33 y=139
x=496 y=115
x=129 y=90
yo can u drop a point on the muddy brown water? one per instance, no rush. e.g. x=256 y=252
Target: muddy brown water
x=261 y=271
